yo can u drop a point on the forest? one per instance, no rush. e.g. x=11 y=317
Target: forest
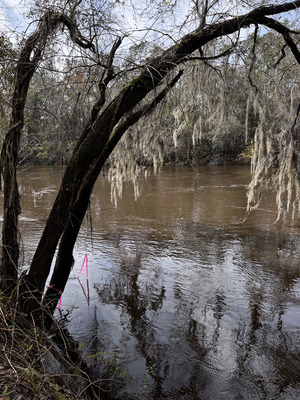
x=119 y=88
x=210 y=117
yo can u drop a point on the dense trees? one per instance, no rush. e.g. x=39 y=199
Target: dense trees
x=8 y=58
x=210 y=117
x=124 y=89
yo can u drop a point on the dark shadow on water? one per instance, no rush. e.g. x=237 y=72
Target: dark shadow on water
x=213 y=333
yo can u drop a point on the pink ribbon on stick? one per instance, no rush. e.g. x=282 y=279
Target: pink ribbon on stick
x=87 y=295
x=85 y=260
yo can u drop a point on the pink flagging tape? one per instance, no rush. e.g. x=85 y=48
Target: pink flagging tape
x=85 y=261
x=59 y=291
x=87 y=295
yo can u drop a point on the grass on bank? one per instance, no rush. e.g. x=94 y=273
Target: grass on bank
x=29 y=366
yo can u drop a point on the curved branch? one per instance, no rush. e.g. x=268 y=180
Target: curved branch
x=107 y=76
x=29 y=59
x=75 y=34
x=64 y=260
x=252 y=84
x=284 y=31
x=93 y=144
x=273 y=9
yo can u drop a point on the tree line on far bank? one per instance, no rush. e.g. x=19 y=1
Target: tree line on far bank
x=209 y=118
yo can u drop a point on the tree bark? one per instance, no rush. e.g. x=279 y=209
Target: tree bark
x=29 y=60
x=94 y=142
x=27 y=64
x=64 y=260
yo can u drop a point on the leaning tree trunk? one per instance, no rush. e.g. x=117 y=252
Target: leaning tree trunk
x=28 y=62
x=64 y=259
x=11 y=211
x=93 y=142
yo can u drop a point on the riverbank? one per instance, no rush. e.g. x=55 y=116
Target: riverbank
x=34 y=367
x=22 y=368
x=24 y=358
x=204 y=154
x=207 y=155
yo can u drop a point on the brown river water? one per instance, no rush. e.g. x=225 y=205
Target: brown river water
x=183 y=300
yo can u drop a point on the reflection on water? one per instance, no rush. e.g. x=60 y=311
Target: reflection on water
x=184 y=301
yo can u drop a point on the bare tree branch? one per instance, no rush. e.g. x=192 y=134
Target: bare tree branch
x=286 y=33
x=253 y=60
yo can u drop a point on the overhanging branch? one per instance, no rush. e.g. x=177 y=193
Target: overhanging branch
x=92 y=145
x=284 y=31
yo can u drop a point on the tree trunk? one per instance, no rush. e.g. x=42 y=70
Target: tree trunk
x=64 y=260
x=9 y=161
x=94 y=146
x=95 y=141
x=10 y=240
x=30 y=57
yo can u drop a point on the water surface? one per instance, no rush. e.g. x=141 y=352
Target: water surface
x=183 y=300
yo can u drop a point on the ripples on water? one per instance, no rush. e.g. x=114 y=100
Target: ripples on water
x=184 y=302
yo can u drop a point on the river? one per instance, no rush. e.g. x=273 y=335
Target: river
x=183 y=300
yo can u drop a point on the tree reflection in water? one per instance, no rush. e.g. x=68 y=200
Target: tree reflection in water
x=205 y=309
x=203 y=335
